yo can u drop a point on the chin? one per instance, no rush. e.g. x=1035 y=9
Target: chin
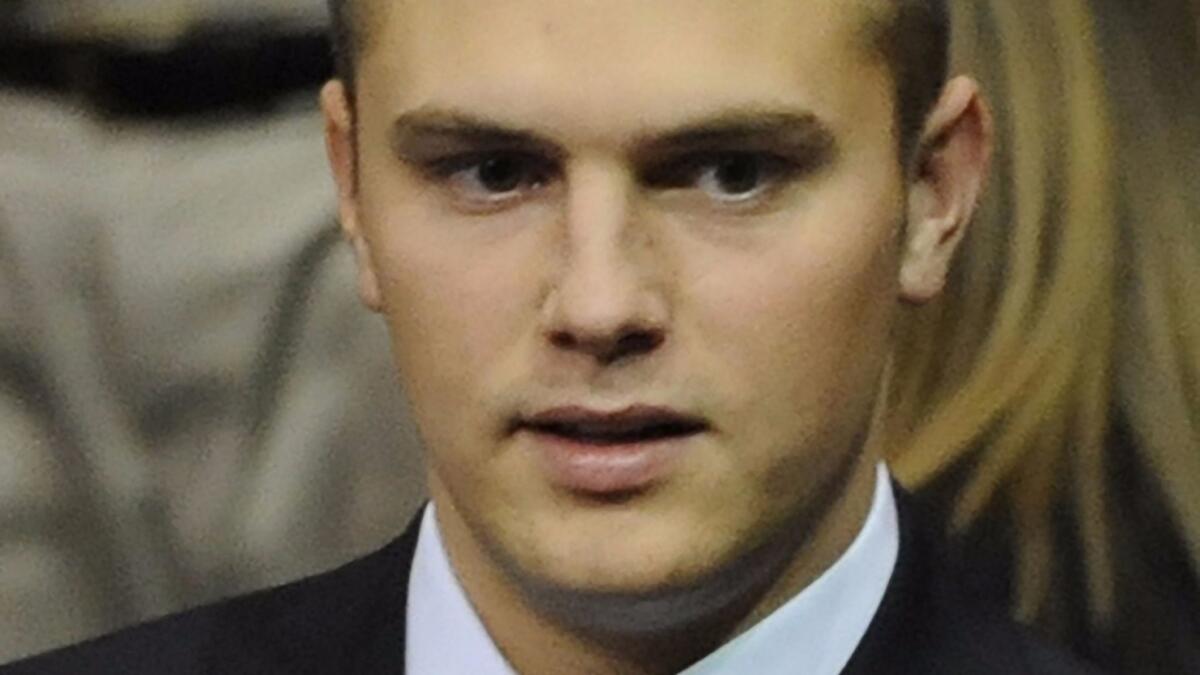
x=631 y=584
x=626 y=570
x=629 y=554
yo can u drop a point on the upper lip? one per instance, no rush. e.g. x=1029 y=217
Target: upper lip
x=632 y=422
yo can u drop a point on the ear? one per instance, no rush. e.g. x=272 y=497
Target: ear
x=340 y=145
x=951 y=168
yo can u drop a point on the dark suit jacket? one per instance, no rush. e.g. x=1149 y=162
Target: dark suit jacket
x=352 y=621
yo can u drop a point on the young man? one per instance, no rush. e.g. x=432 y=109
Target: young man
x=640 y=261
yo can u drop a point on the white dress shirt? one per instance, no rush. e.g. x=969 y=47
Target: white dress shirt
x=814 y=633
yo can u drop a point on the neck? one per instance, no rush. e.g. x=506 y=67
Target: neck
x=538 y=641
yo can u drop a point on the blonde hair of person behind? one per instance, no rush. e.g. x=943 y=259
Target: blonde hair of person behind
x=1076 y=301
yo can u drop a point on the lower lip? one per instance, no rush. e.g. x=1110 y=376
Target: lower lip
x=607 y=469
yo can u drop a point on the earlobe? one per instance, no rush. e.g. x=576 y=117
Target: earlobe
x=927 y=260
x=955 y=154
x=368 y=282
x=340 y=146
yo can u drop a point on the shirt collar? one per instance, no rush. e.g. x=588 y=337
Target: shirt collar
x=444 y=634
x=815 y=632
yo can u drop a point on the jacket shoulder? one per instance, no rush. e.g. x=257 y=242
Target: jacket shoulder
x=990 y=644
x=315 y=625
x=928 y=624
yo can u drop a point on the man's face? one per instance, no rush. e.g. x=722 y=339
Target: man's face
x=639 y=260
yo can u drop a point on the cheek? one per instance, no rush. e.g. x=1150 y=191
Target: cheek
x=457 y=296
x=805 y=320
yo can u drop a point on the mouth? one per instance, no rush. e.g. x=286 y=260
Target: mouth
x=607 y=454
x=632 y=425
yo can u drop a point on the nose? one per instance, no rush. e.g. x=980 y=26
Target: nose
x=607 y=303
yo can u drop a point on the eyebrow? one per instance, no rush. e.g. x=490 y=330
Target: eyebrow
x=427 y=133
x=432 y=132
x=747 y=128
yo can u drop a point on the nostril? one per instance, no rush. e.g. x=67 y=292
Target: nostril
x=609 y=348
x=632 y=344
x=639 y=342
x=563 y=340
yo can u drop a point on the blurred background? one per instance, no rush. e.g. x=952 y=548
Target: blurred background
x=193 y=404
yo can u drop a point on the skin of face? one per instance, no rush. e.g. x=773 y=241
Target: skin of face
x=692 y=205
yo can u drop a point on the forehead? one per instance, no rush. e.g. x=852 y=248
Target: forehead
x=597 y=65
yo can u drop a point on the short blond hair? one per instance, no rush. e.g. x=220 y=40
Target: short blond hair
x=912 y=36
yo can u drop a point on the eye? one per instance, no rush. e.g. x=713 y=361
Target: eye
x=726 y=177
x=495 y=177
x=502 y=173
x=735 y=177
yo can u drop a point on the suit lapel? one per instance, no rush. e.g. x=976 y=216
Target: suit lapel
x=383 y=649
x=903 y=627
